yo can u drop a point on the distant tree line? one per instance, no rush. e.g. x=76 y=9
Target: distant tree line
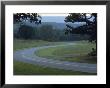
x=45 y=32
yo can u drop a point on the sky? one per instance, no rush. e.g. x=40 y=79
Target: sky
x=57 y=19
x=53 y=17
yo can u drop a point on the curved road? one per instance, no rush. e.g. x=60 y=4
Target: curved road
x=28 y=56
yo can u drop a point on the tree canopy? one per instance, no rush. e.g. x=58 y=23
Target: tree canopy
x=26 y=32
x=31 y=17
x=89 y=28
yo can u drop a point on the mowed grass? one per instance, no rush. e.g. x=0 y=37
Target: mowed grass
x=22 y=44
x=76 y=53
x=21 y=68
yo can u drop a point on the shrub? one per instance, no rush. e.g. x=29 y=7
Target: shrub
x=26 y=32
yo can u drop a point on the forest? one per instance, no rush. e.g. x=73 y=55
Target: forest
x=45 y=32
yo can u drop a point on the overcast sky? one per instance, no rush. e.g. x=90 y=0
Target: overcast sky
x=53 y=17
x=57 y=19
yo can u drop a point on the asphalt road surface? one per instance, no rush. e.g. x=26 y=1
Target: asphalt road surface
x=28 y=56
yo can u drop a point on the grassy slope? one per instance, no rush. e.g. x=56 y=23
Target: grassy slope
x=21 y=68
x=73 y=53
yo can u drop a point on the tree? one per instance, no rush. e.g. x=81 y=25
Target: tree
x=46 y=32
x=31 y=17
x=26 y=32
x=89 y=28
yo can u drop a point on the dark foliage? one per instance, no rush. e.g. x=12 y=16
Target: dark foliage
x=32 y=17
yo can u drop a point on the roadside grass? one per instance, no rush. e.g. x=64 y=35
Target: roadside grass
x=75 y=53
x=21 y=68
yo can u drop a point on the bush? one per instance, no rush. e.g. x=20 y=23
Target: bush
x=93 y=52
x=26 y=32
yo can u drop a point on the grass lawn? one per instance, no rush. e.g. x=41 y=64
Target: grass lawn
x=21 y=68
x=22 y=44
x=75 y=53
